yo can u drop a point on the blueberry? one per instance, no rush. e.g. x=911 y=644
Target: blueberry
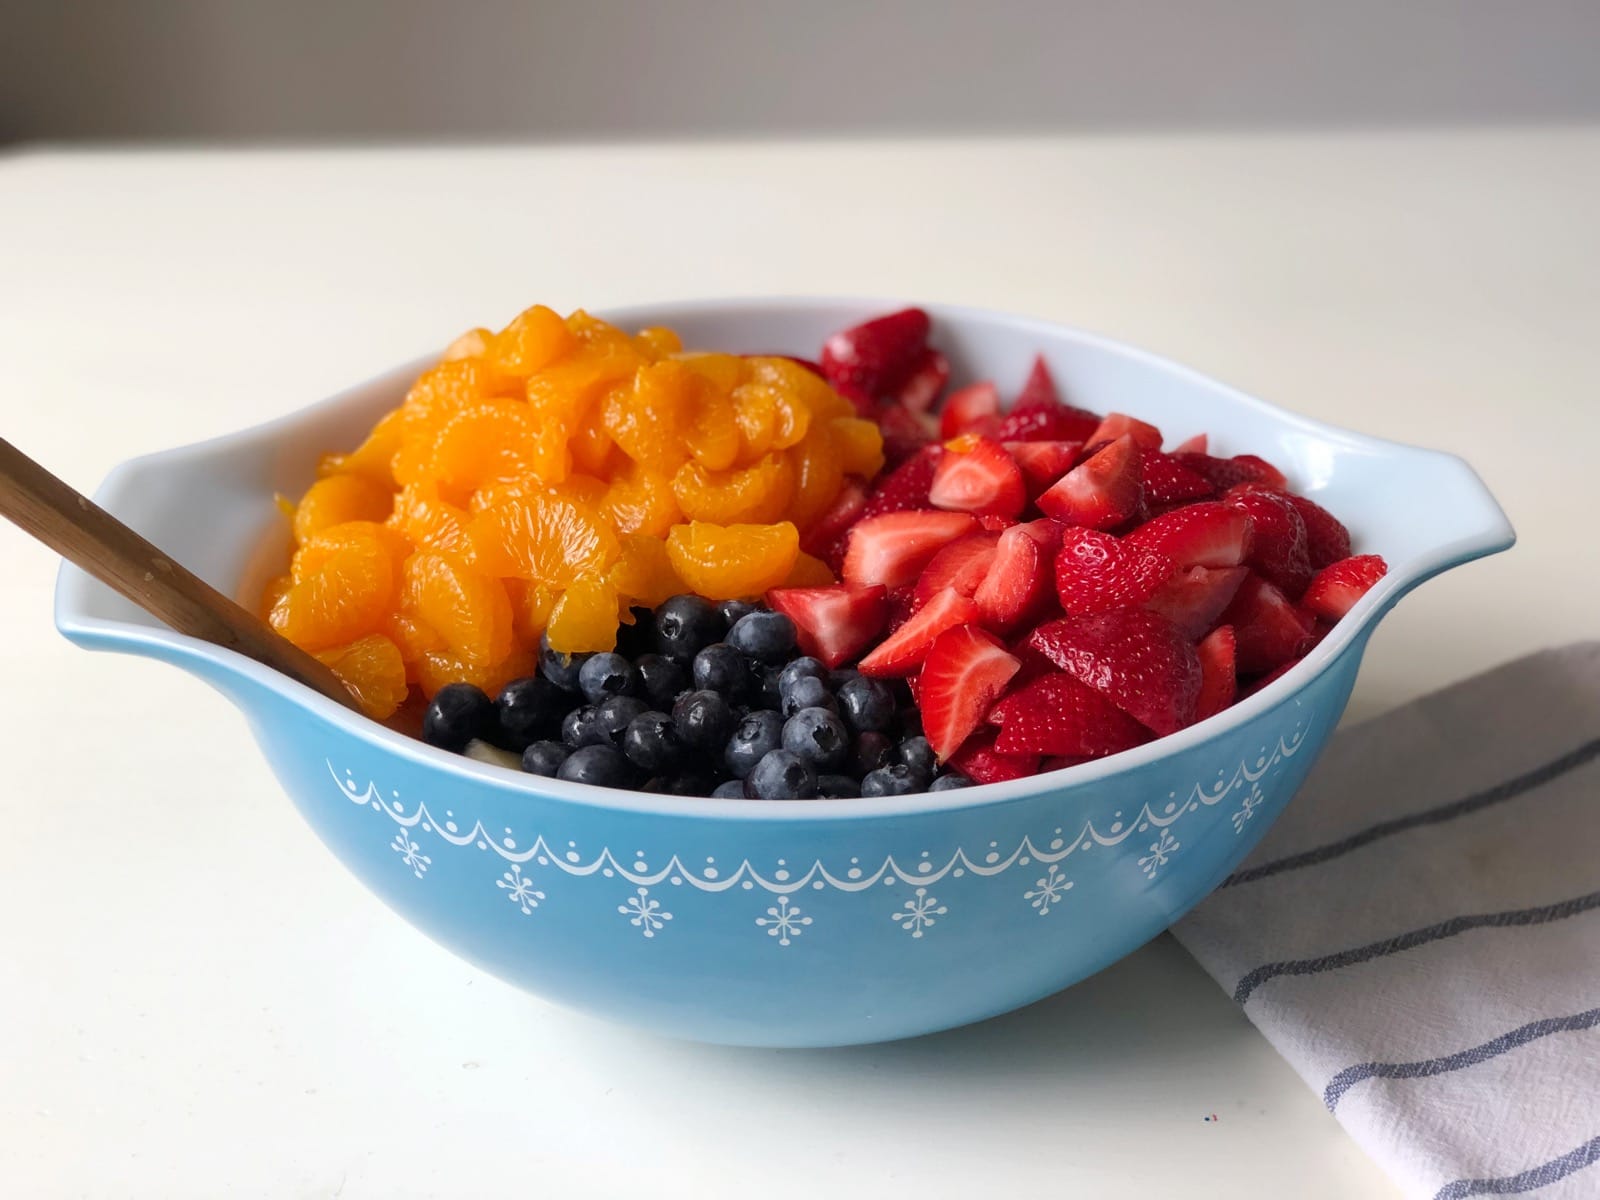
x=756 y=736
x=781 y=775
x=579 y=729
x=457 y=713
x=837 y=787
x=732 y=789
x=807 y=692
x=769 y=690
x=872 y=750
x=528 y=709
x=602 y=766
x=661 y=679
x=897 y=780
x=703 y=720
x=910 y=722
x=651 y=742
x=686 y=625
x=732 y=610
x=764 y=635
x=693 y=784
x=818 y=736
x=841 y=676
x=613 y=716
x=639 y=637
x=560 y=669
x=867 y=704
x=949 y=782
x=605 y=675
x=795 y=668
x=544 y=758
x=720 y=668
x=919 y=758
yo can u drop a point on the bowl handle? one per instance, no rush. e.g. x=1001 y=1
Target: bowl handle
x=1462 y=521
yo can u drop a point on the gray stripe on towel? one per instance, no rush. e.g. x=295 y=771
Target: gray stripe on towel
x=1531 y=1032
x=1499 y=794
x=1416 y=937
x=1534 y=1177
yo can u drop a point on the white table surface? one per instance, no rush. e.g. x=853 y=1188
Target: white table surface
x=196 y=1000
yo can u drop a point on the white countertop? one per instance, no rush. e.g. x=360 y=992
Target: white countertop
x=196 y=1000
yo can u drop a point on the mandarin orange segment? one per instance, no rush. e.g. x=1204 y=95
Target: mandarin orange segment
x=733 y=561
x=321 y=546
x=549 y=540
x=585 y=618
x=656 y=341
x=337 y=499
x=749 y=495
x=641 y=501
x=495 y=441
x=648 y=420
x=531 y=606
x=471 y=344
x=429 y=521
x=644 y=573
x=373 y=669
x=442 y=391
x=598 y=337
x=346 y=594
x=535 y=338
x=755 y=413
x=809 y=572
x=436 y=668
x=860 y=445
x=712 y=436
x=469 y=610
x=818 y=475
x=374 y=458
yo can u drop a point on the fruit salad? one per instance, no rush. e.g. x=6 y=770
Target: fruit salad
x=594 y=555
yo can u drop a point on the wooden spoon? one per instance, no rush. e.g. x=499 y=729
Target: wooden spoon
x=85 y=534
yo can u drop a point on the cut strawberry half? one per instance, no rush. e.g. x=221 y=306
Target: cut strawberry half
x=1198 y=444
x=904 y=650
x=871 y=360
x=1057 y=424
x=1336 y=588
x=1267 y=628
x=1219 y=680
x=980 y=761
x=1141 y=662
x=907 y=485
x=1168 y=481
x=1102 y=492
x=904 y=432
x=902 y=603
x=1096 y=572
x=1038 y=389
x=976 y=475
x=1327 y=540
x=1208 y=534
x=967 y=407
x=1272 y=676
x=965 y=671
x=1058 y=715
x=1043 y=463
x=893 y=548
x=1115 y=425
x=1278 y=544
x=1224 y=473
x=961 y=565
x=825 y=538
x=926 y=380
x=833 y=623
x=1194 y=597
x=1020 y=583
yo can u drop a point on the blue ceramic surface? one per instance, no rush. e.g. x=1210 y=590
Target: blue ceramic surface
x=817 y=923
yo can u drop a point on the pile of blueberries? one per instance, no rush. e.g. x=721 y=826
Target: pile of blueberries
x=701 y=699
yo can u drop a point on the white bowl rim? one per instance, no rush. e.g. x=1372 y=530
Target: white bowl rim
x=1494 y=533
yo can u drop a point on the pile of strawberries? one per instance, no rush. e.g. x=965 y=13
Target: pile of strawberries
x=1051 y=583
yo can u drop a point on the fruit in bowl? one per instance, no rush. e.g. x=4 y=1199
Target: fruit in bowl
x=857 y=918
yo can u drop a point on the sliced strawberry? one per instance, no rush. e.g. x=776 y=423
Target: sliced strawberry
x=1020 y=583
x=1140 y=661
x=1039 y=389
x=1058 y=715
x=965 y=671
x=1102 y=492
x=980 y=761
x=1095 y=572
x=902 y=603
x=926 y=381
x=1115 y=425
x=1208 y=534
x=904 y=432
x=1060 y=762
x=965 y=408
x=976 y=475
x=825 y=538
x=1338 y=586
x=1268 y=629
x=904 y=650
x=1194 y=597
x=1059 y=424
x=1195 y=445
x=990 y=523
x=871 y=360
x=1273 y=676
x=1278 y=541
x=893 y=548
x=1043 y=463
x=1327 y=540
x=833 y=623
x=1168 y=481
x=961 y=565
x=907 y=485
x=1224 y=473
x=1219 y=680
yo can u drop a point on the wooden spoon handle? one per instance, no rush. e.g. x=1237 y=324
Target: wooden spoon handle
x=85 y=534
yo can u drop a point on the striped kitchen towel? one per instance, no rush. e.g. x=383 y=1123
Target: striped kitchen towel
x=1419 y=934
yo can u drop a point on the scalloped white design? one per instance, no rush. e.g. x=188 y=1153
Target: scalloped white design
x=782 y=881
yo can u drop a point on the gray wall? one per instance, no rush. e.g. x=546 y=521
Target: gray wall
x=258 y=69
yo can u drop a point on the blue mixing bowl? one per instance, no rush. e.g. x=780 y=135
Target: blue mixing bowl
x=820 y=923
